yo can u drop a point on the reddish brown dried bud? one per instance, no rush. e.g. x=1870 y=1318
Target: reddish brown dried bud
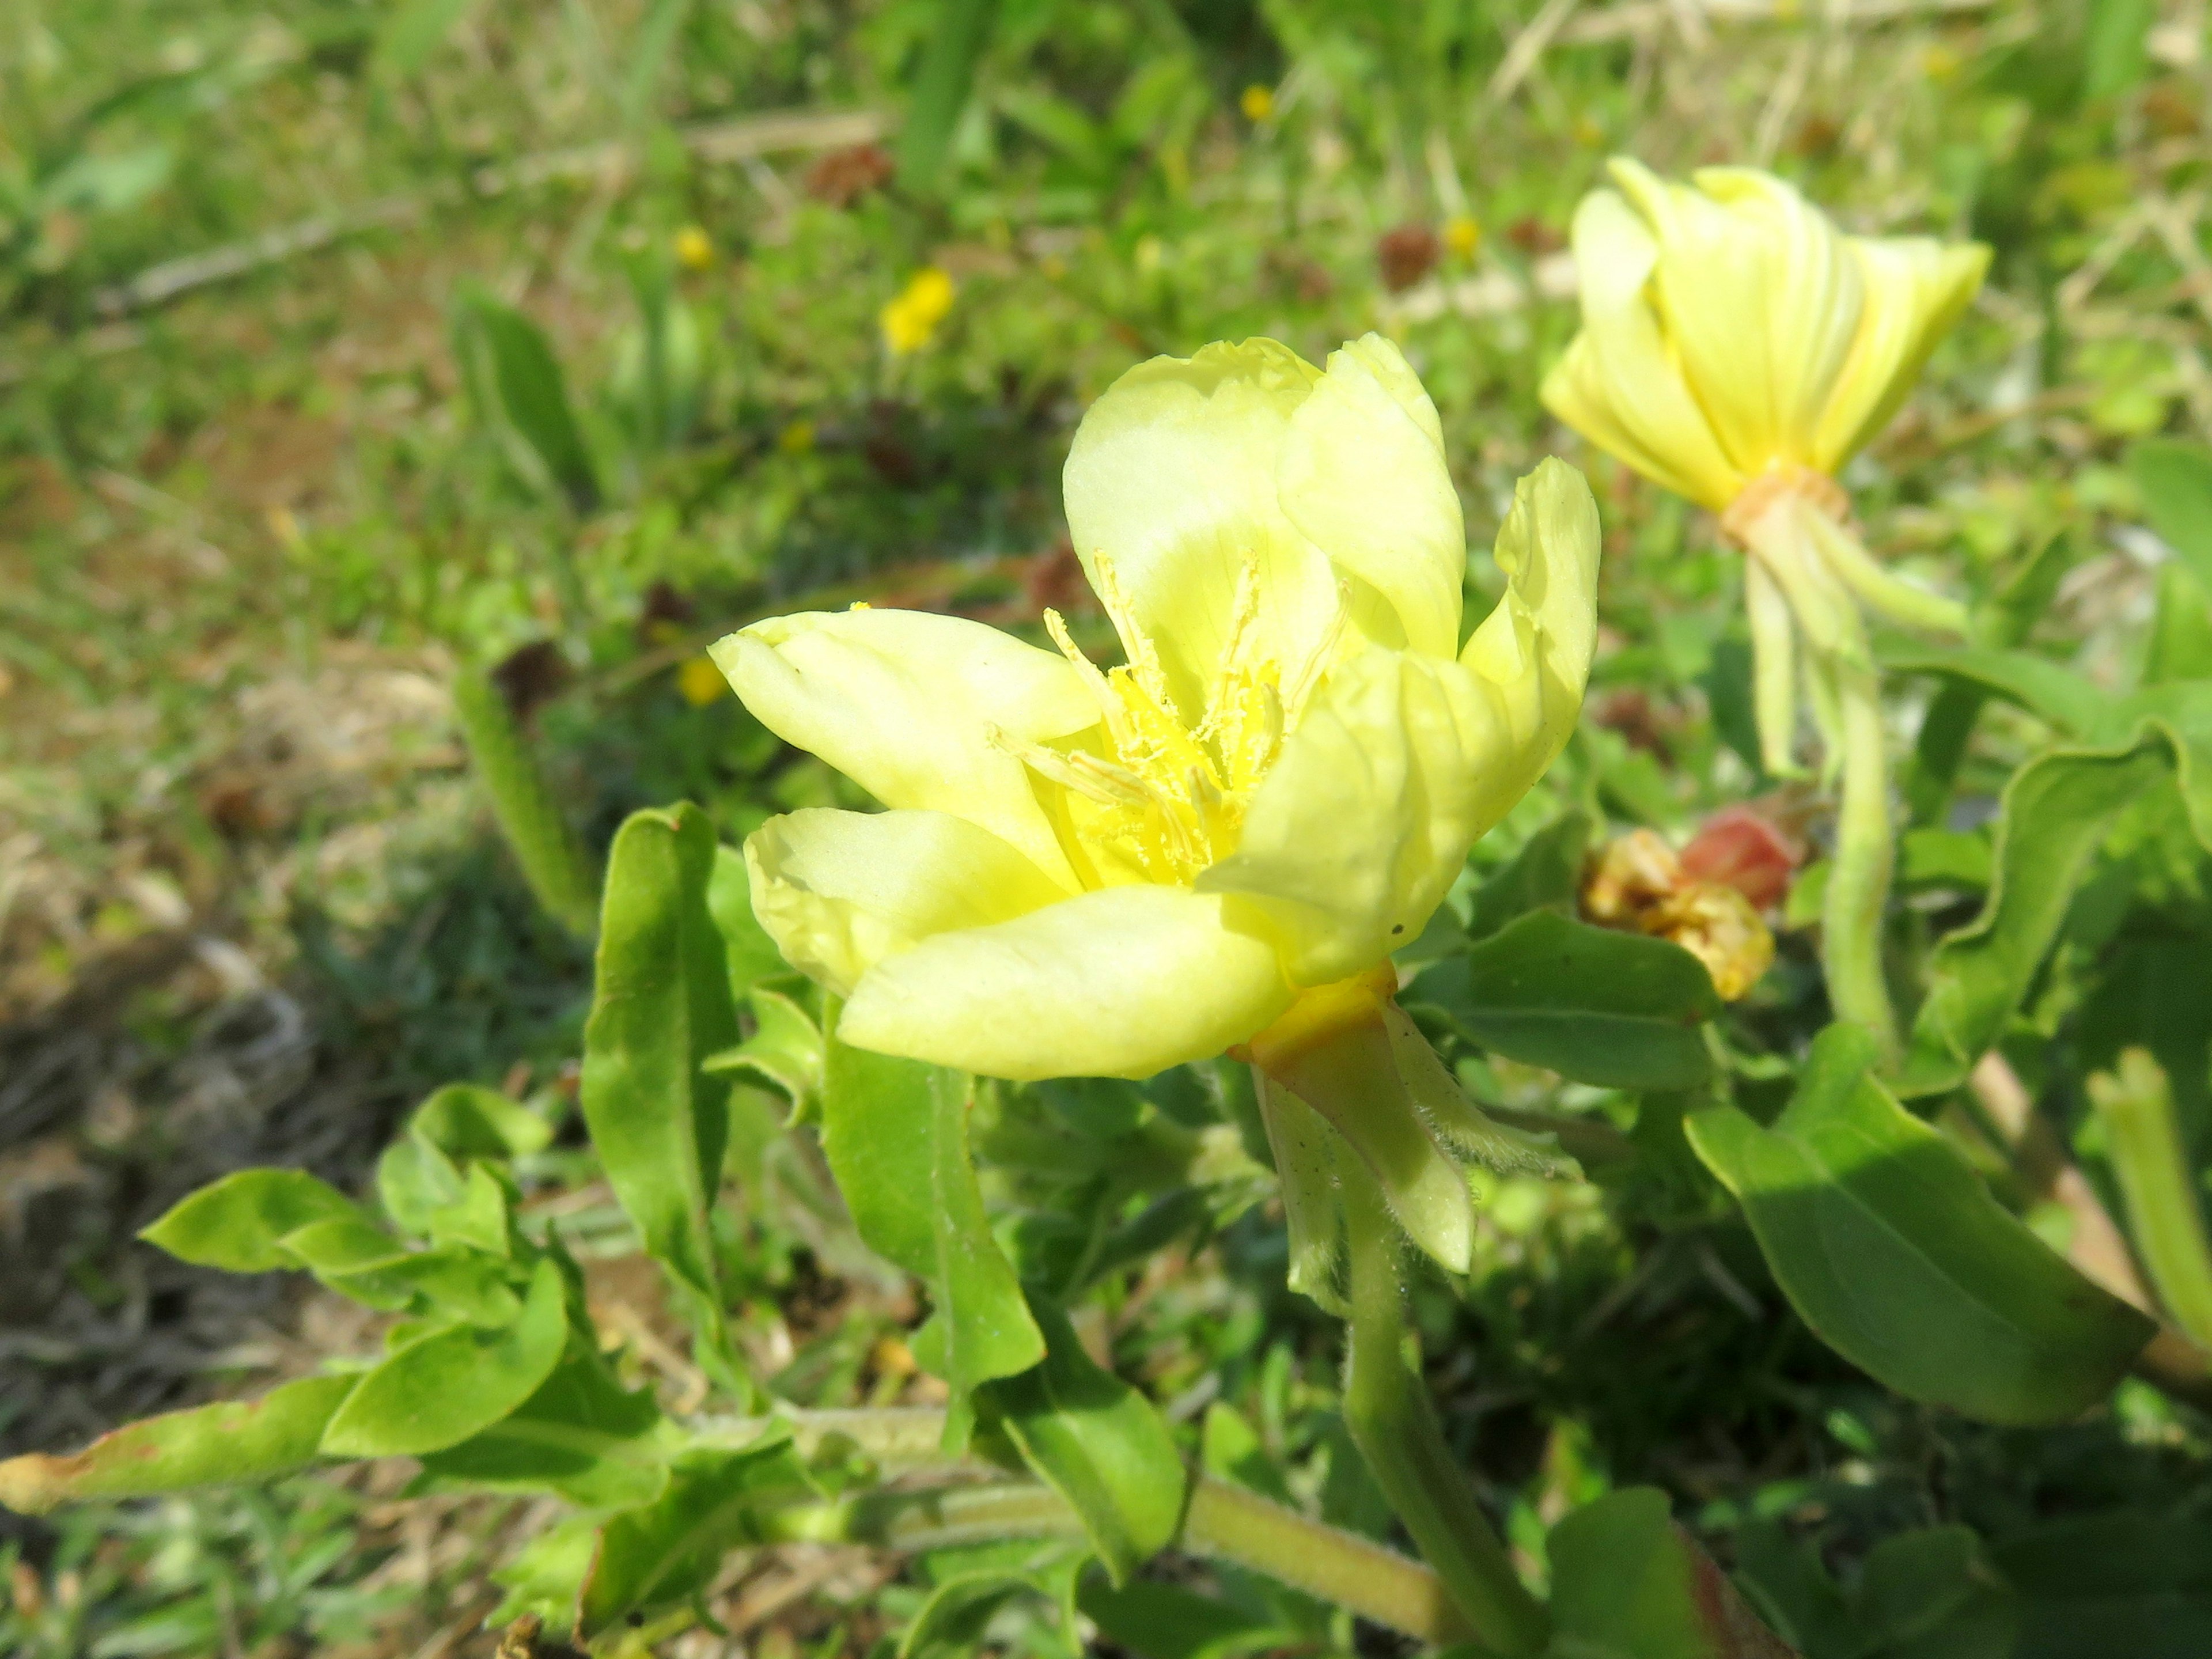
x=1740 y=848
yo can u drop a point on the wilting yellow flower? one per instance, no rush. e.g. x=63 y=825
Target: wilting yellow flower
x=1107 y=873
x=1258 y=103
x=910 y=322
x=695 y=249
x=1638 y=884
x=1729 y=330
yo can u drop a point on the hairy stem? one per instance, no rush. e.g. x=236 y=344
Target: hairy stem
x=2136 y=1106
x=1900 y=601
x=1396 y=1428
x=1858 y=881
x=1221 y=1522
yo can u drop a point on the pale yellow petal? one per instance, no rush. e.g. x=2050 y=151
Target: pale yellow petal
x=1915 y=290
x=1356 y=833
x=906 y=703
x=1124 y=982
x=1618 y=385
x=1532 y=652
x=1363 y=476
x=1172 y=482
x=840 y=891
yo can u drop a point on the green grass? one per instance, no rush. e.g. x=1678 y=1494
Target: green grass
x=251 y=532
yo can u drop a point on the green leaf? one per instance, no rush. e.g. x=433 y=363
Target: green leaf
x=896 y=1133
x=440 y=1388
x=2181 y=630
x=581 y=1435
x=2116 y=53
x=2053 y=813
x=1888 y=1245
x=666 y=1552
x=750 y=954
x=1097 y=1442
x=1547 y=873
x=464 y=1121
x=530 y=818
x=1931 y=1594
x=235 y=1224
x=515 y=383
x=1156 y=1621
x=1614 y=1009
x=660 y=1006
x=546 y=1577
x=2175 y=479
x=1620 y=1582
x=941 y=90
x=969 y=1585
x=785 y=1051
x=2102 y=1587
x=229 y=1443
x=1947 y=727
x=2045 y=689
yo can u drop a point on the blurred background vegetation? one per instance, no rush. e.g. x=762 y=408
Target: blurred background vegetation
x=349 y=349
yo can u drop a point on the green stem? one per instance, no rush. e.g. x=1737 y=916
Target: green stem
x=2144 y=1143
x=1858 y=881
x=1221 y=1522
x=1773 y=672
x=1392 y=1422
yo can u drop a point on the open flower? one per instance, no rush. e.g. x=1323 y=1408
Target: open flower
x=1730 y=329
x=1089 y=872
x=909 y=320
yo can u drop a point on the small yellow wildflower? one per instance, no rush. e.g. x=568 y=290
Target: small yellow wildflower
x=910 y=322
x=1258 y=103
x=1463 y=235
x=700 y=681
x=695 y=249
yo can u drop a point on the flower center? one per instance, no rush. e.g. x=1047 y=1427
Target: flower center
x=1161 y=799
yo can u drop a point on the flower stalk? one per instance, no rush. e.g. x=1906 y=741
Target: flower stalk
x=1394 y=1424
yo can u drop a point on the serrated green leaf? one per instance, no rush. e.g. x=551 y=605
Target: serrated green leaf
x=546 y=1577
x=439 y=1389
x=229 y=1443
x=1888 y=1245
x=465 y=1121
x=661 y=1006
x=235 y=1224
x=1614 y=1009
x=1097 y=1442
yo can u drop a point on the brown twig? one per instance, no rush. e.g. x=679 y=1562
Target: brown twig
x=2096 y=1247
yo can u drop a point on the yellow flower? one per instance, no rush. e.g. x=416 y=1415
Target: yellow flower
x=1463 y=235
x=1258 y=103
x=1107 y=873
x=695 y=250
x=1729 y=329
x=700 y=681
x=910 y=322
